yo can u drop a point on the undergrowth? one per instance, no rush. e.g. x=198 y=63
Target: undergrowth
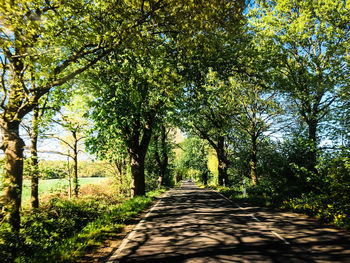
x=64 y=230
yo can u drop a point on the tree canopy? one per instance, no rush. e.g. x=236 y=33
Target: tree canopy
x=260 y=90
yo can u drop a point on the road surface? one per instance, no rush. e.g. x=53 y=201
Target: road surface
x=199 y=225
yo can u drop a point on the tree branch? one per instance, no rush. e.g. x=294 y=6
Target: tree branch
x=56 y=152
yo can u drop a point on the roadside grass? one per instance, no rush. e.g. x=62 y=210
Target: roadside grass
x=64 y=230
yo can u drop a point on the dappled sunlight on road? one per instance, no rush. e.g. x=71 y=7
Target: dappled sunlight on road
x=197 y=225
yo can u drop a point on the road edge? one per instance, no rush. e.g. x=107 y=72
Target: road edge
x=114 y=257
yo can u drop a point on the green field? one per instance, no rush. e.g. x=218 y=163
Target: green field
x=54 y=185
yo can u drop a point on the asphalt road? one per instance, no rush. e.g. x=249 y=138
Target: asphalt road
x=198 y=225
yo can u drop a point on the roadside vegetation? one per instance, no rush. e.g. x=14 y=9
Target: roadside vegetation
x=285 y=183
x=63 y=230
x=56 y=187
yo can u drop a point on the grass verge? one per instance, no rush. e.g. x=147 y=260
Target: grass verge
x=64 y=230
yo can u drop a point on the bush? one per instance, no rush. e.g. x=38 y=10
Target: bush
x=11 y=244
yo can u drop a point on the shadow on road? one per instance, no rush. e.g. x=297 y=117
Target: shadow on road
x=196 y=225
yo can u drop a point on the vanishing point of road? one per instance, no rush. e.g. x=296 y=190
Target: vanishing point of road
x=191 y=224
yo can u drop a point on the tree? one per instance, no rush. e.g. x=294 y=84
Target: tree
x=39 y=43
x=71 y=119
x=195 y=157
x=159 y=161
x=161 y=152
x=305 y=44
x=206 y=114
x=340 y=129
x=54 y=41
x=33 y=131
x=203 y=111
x=40 y=120
x=131 y=90
x=254 y=112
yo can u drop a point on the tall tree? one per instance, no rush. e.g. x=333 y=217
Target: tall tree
x=161 y=151
x=131 y=90
x=255 y=112
x=205 y=113
x=33 y=132
x=40 y=41
x=40 y=119
x=75 y=126
x=305 y=44
x=202 y=109
x=195 y=156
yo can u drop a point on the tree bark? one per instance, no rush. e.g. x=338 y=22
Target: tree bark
x=222 y=173
x=161 y=162
x=12 y=145
x=138 y=186
x=34 y=161
x=75 y=165
x=137 y=153
x=222 y=162
x=205 y=177
x=253 y=160
x=312 y=154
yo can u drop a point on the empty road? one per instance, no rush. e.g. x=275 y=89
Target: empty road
x=190 y=224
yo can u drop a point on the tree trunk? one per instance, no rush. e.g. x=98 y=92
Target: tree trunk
x=12 y=145
x=75 y=166
x=138 y=186
x=222 y=164
x=137 y=152
x=222 y=173
x=69 y=176
x=205 y=178
x=161 y=159
x=34 y=161
x=253 y=161
x=165 y=154
x=159 y=162
x=162 y=169
x=119 y=164
x=312 y=154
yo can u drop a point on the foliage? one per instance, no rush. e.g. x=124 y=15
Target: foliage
x=305 y=45
x=204 y=114
x=214 y=71
x=43 y=45
x=2 y=167
x=286 y=182
x=297 y=45
x=54 y=169
x=212 y=166
x=131 y=93
x=57 y=187
x=134 y=89
x=66 y=229
x=160 y=158
x=194 y=159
